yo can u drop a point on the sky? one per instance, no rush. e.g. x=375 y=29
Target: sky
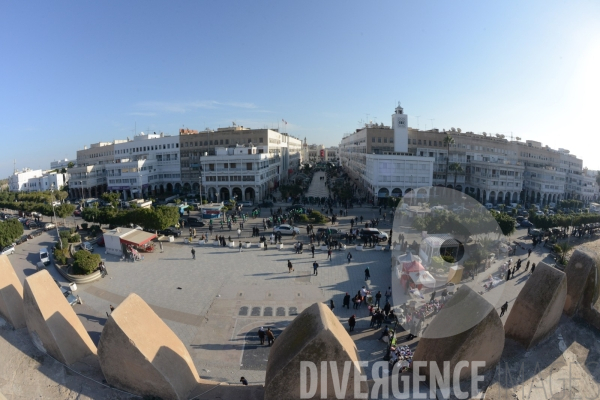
x=76 y=73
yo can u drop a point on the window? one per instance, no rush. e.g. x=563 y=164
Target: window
x=260 y=140
x=415 y=141
x=419 y=141
x=249 y=166
x=378 y=140
x=211 y=167
x=221 y=141
x=249 y=140
x=211 y=142
x=232 y=165
x=186 y=144
x=430 y=142
x=435 y=142
x=226 y=141
x=384 y=140
x=373 y=140
x=226 y=165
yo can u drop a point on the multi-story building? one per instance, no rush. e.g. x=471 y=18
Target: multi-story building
x=197 y=145
x=60 y=164
x=88 y=176
x=29 y=180
x=491 y=168
x=240 y=172
x=315 y=153
x=377 y=159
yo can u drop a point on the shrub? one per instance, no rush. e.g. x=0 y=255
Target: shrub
x=64 y=234
x=437 y=262
x=74 y=238
x=85 y=262
x=60 y=256
x=317 y=217
x=95 y=229
x=301 y=218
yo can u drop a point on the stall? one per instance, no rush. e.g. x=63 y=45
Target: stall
x=455 y=274
x=118 y=241
x=414 y=276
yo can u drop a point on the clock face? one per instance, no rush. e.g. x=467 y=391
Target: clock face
x=401 y=122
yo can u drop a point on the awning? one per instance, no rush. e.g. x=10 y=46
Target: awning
x=423 y=278
x=137 y=238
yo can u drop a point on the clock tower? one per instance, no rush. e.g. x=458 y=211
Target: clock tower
x=400 y=124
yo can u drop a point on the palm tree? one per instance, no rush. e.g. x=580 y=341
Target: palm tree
x=457 y=169
x=448 y=140
x=563 y=249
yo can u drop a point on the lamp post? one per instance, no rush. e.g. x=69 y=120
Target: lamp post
x=55 y=221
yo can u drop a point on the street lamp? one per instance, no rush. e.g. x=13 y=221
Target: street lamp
x=55 y=220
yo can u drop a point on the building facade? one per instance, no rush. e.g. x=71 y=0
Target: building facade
x=29 y=180
x=199 y=147
x=316 y=153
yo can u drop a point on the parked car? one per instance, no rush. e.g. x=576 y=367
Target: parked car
x=286 y=229
x=335 y=233
x=520 y=219
x=172 y=231
x=193 y=221
x=22 y=239
x=526 y=223
x=77 y=213
x=373 y=232
x=489 y=206
x=100 y=242
x=87 y=246
x=246 y=203
x=69 y=296
x=48 y=226
x=8 y=250
x=45 y=256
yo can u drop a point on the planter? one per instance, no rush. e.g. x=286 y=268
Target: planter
x=73 y=286
x=171 y=239
x=78 y=278
x=260 y=245
x=378 y=248
x=231 y=244
x=280 y=246
x=359 y=247
x=247 y=245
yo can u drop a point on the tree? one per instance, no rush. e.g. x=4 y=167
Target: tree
x=85 y=262
x=64 y=210
x=505 y=222
x=112 y=198
x=562 y=249
x=448 y=140
x=61 y=195
x=457 y=169
x=10 y=231
x=70 y=165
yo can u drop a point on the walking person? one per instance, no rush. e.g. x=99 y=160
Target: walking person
x=270 y=336
x=261 y=335
x=193 y=254
x=508 y=275
x=312 y=250
x=388 y=294
x=527 y=265
x=315 y=268
x=503 y=308
x=239 y=232
x=290 y=267
x=240 y=246
x=377 y=298
x=331 y=305
x=111 y=308
x=329 y=253
x=532 y=267
x=346 y=302
x=349 y=257
x=367 y=274
x=160 y=245
x=352 y=322
x=528 y=252
x=244 y=381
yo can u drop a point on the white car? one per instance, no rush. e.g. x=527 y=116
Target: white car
x=87 y=246
x=8 y=250
x=44 y=256
x=48 y=226
x=286 y=229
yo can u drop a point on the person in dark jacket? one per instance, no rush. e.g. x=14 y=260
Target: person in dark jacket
x=352 y=322
x=346 y=302
x=367 y=274
x=331 y=305
x=270 y=336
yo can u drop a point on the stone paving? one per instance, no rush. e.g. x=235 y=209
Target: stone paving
x=317 y=187
x=217 y=302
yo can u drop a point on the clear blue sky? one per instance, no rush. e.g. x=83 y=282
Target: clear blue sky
x=75 y=73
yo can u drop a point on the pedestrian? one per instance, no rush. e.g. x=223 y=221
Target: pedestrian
x=386 y=332
x=532 y=267
x=432 y=296
x=352 y=322
x=508 y=275
x=528 y=252
x=265 y=245
x=193 y=254
x=367 y=274
x=244 y=381
x=378 y=298
x=160 y=245
x=331 y=305
x=240 y=246
x=527 y=265
x=503 y=308
x=315 y=268
x=290 y=267
x=270 y=336
x=261 y=335
x=111 y=308
x=239 y=232
x=312 y=250
x=329 y=253
x=346 y=302
x=388 y=294
x=349 y=257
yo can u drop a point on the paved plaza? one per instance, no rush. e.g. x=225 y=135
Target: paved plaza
x=216 y=303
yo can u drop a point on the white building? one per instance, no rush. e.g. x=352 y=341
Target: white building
x=395 y=175
x=60 y=164
x=243 y=172
x=145 y=165
x=35 y=181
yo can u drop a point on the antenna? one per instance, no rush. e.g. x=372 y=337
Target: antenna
x=432 y=119
x=417 y=117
